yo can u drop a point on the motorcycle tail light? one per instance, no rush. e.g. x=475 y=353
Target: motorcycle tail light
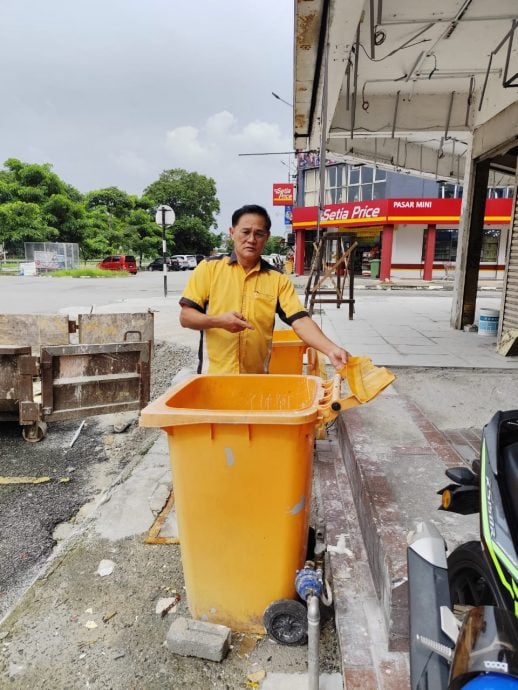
x=446 y=499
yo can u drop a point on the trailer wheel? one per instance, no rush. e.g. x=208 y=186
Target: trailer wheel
x=34 y=432
x=286 y=622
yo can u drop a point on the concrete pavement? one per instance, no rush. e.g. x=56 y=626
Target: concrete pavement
x=375 y=475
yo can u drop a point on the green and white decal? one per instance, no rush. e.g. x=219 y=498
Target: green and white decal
x=490 y=526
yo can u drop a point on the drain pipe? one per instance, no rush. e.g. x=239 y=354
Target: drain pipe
x=313 y=641
x=309 y=586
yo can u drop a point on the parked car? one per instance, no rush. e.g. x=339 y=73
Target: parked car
x=187 y=261
x=119 y=262
x=275 y=260
x=157 y=264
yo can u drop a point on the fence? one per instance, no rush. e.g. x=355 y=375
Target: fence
x=52 y=256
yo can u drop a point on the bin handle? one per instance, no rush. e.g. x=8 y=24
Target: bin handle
x=365 y=381
x=331 y=404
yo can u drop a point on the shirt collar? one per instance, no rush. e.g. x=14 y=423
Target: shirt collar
x=263 y=265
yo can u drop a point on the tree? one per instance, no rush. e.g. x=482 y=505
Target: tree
x=191 y=237
x=275 y=245
x=37 y=176
x=113 y=199
x=36 y=205
x=66 y=216
x=190 y=195
x=102 y=235
x=143 y=234
x=23 y=222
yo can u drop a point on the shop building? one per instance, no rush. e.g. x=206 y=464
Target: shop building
x=413 y=237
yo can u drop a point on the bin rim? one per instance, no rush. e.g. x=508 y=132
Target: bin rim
x=287 y=337
x=159 y=414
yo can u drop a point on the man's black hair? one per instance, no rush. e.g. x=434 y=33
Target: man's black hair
x=251 y=208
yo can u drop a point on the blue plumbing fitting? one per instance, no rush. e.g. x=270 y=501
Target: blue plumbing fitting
x=309 y=581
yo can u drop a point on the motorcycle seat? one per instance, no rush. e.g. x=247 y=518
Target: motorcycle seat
x=510 y=471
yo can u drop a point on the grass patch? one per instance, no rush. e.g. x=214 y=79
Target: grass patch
x=87 y=273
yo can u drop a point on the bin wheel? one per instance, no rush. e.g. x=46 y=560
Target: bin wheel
x=34 y=432
x=286 y=622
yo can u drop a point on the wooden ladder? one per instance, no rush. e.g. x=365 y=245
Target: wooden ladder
x=339 y=271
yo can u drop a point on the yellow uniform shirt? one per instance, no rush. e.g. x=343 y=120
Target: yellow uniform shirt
x=218 y=285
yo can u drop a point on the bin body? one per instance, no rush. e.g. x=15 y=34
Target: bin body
x=241 y=460
x=287 y=353
x=375 y=268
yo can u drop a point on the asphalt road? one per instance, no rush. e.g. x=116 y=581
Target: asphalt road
x=42 y=294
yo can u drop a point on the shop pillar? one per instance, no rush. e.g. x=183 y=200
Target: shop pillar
x=299 y=253
x=386 y=251
x=429 y=252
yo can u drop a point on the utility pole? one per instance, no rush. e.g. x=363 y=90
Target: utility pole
x=164 y=216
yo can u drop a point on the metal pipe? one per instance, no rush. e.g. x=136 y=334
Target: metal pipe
x=372 y=29
x=323 y=141
x=445 y=20
x=313 y=641
x=395 y=114
x=355 y=80
x=448 y=117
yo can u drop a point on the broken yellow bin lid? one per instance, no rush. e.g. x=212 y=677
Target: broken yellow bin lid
x=364 y=378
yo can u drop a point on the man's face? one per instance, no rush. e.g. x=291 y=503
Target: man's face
x=249 y=235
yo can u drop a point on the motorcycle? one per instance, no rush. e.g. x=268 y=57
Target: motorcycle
x=481 y=576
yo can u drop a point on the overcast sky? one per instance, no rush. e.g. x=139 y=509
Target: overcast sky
x=113 y=92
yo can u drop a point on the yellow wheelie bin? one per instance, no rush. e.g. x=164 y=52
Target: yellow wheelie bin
x=287 y=352
x=241 y=450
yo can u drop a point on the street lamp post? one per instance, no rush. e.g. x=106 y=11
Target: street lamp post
x=164 y=216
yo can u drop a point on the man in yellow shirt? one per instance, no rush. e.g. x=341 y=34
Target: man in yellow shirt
x=233 y=301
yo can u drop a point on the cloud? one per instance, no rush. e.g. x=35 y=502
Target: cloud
x=216 y=149
x=184 y=144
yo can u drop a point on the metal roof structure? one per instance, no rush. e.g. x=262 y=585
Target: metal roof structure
x=403 y=84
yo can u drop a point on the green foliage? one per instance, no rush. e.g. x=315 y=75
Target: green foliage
x=87 y=273
x=36 y=205
x=66 y=216
x=275 y=245
x=114 y=200
x=188 y=193
x=144 y=236
x=102 y=234
x=23 y=222
x=191 y=237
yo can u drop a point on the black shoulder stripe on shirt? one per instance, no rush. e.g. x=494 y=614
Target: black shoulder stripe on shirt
x=282 y=315
x=189 y=303
x=217 y=257
x=298 y=315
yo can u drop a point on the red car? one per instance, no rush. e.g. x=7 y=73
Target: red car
x=119 y=262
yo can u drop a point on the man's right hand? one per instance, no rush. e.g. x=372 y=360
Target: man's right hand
x=233 y=322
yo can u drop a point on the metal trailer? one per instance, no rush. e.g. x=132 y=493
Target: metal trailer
x=44 y=377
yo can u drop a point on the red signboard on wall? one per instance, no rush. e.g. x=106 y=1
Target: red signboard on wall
x=397 y=211
x=283 y=194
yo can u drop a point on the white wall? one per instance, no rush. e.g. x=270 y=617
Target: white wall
x=407 y=249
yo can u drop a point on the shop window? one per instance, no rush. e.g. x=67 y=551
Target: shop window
x=345 y=183
x=336 y=183
x=490 y=242
x=310 y=188
x=446 y=245
x=354 y=193
x=500 y=192
x=450 y=191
